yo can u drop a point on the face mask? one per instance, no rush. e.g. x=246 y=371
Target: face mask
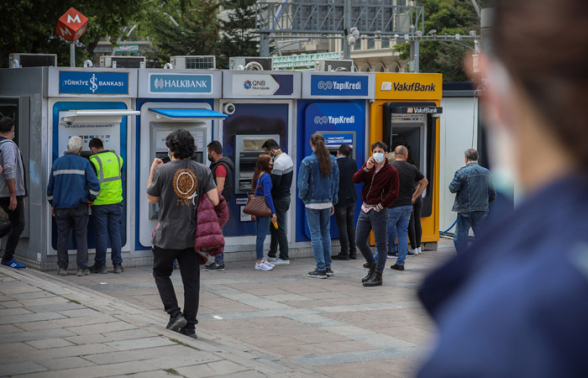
x=500 y=140
x=210 y=158
x=378 y=157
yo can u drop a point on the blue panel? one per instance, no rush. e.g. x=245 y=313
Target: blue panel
x=139 y=191
x=81 y=82
x=340 y=121
x=251 y=119
x=64 y=106
x=286 y=83
x=189 y=113
x=331 y=85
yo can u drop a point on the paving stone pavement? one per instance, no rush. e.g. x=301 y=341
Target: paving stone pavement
x=251 y=323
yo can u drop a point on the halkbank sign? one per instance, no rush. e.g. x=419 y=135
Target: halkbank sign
x=180 y=83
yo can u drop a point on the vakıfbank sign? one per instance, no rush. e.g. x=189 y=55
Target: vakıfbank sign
x=180 y=83
x=408 y=86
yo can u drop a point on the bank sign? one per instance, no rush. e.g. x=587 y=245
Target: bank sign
x=107 y=83
x=180 y=84
x=262 y=85
x=330 y=85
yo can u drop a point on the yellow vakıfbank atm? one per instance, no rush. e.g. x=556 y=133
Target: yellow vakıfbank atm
x=406 y=112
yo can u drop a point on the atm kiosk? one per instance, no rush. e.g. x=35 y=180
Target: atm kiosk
x=336 y=105
x=54 y=104
x=170 y=100
x=406 y=111
x=260 y=105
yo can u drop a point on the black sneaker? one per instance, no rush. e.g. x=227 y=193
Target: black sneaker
x=318 y=274
x=340 y=256
x=118 y=268
x=98 y=269
x=177 y=323
x=330 y=272
x=392 y=254
x=215 y=266
x=189 y=332
x=397 y=267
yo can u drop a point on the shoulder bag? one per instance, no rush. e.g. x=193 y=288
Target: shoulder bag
x=257 y=206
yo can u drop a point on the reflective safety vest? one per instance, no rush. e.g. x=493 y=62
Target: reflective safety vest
x=109 y=168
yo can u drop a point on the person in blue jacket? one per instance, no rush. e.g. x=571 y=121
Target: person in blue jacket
x=516 y=304
x=262 y=186
x=318 y=188
x=73 y=186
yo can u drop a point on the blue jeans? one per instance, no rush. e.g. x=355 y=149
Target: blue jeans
x=107 y=224
x=365 y=223
x=398 y=220
x=262 y=226
x=473 y=219
x=220 y=258
x=319 y=224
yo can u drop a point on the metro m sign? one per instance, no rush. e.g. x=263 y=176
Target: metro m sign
x=72 y=25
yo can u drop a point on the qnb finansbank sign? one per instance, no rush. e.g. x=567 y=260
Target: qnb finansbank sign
x=330 y=85
x=180 y=84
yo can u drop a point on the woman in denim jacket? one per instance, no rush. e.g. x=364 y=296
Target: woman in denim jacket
x=318 y=186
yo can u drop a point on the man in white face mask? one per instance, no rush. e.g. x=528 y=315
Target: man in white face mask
x=380 y=191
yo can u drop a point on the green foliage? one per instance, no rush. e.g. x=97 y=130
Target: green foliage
x=28 y=26
x=447 y=17
x=237 y=39
x=196 y=32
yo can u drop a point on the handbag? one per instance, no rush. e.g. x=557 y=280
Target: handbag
x=257 y=206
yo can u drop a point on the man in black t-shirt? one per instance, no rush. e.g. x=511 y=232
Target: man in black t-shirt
x=399 y=212
x=179 y=184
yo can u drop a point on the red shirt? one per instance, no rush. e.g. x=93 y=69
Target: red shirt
x=378 y=187
x=220 y=171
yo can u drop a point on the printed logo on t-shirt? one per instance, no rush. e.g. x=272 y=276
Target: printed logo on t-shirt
x=185 y=184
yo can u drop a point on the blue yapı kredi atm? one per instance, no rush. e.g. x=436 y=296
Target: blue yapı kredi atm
x=170 y=100
x=260 y=105
x=336 y=105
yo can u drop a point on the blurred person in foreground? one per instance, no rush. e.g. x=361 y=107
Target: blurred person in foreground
x=515 y=304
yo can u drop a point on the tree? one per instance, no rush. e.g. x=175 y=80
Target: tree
x=237 y=37
x=446 y=17
x=188 y=29
x=29 y=26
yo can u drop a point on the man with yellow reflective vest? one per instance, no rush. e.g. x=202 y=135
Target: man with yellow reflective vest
x=107 y=208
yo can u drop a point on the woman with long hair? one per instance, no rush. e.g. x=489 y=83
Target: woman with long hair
x=262 y=186
x=514 y=304
x=318 y=184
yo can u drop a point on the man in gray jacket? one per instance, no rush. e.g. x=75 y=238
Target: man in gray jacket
x=12 y=191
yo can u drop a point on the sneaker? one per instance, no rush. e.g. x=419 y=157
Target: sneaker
x=411 y=252
x=177 y=322
x=98 y=269
x=353 y=256
x=340 y=256
x=214 y=266
x=419 y=250
x=397 y=267
x=392 y=255
x=62 y=272
x=271 y=265
x=189 y=332
x=271 y=258
x=118 y=268
x=282 y=262
x=262 y=266
x=330 y=272
x=317 y=274
x=13 y=264
x=83 y=272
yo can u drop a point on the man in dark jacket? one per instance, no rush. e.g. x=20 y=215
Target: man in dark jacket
x=73 y=186
x=475 y=192
x=345 y=207
x=380 y=191
x=221 y=168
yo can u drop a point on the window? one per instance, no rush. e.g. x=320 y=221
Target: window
x=371 y=44
x=385 y=43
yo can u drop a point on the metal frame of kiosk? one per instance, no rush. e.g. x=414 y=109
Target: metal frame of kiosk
x=168 y=100
x=260 y=104
x=406 y=110
x=335 y=104
x=63 y=102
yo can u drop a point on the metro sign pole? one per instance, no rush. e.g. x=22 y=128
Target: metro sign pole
x=71 y=26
